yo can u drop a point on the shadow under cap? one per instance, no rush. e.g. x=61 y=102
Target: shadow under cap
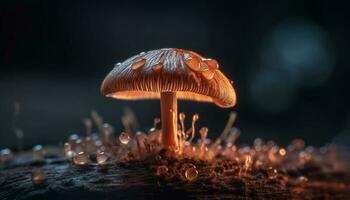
x=191 y=76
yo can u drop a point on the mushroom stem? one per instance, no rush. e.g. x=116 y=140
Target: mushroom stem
x=168 y=105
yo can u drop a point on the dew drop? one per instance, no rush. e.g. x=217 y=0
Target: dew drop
x=70 y=154
x=142 y=53
x=162 y=170
x=271 y=173
x=81 y=159
x=5 y=155
x=208 y=74
x=124 y=138
x=101 y=158
x=118 y=64
x=38 y=151
x=191 y=174
x=138 y=64
x=38 y=177
x=157 y=67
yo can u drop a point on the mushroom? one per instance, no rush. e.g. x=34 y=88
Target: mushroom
x=169 y=74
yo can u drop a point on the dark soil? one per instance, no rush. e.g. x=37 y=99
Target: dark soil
x=137 y=180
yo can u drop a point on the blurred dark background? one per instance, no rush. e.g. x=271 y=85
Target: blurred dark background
x=289 y=61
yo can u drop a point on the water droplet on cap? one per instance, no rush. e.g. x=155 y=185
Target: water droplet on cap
x=192 y=63
x=157 y=67
x=212 y=63
x=138 y=64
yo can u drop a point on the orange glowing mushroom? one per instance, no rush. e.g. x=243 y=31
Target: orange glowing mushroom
x=169 y=74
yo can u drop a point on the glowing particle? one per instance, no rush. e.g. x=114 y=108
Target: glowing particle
x=38 y=177
x=138 y=64
x=101 y=158
x=282 y=152
x=81 y=159
x=271 y=173
x=124 y=138
x=38 y=151
x=162 y=170
x=191 y=174
x=5 y=155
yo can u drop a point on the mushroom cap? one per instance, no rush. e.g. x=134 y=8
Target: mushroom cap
x=192 y=77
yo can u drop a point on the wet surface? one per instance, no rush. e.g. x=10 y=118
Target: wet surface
x=138 y=180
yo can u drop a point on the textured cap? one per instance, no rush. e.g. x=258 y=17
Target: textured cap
x=188 y=74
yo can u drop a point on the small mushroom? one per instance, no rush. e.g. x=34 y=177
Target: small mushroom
x=169 y=74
